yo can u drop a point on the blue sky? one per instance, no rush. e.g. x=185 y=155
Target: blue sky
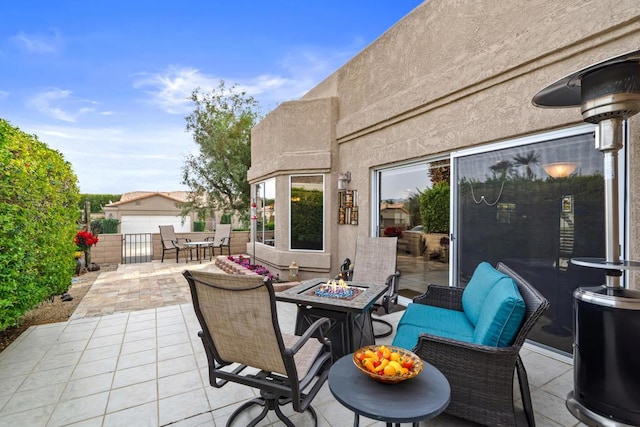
x=105 y=83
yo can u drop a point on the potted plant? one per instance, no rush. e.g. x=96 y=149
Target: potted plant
x=84 y=240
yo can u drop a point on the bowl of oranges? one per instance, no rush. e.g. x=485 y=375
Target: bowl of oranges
x=387 y=364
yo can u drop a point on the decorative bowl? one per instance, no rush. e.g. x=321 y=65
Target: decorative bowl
x=415 y=369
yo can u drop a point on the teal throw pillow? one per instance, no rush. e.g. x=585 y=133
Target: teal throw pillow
x=475 y=293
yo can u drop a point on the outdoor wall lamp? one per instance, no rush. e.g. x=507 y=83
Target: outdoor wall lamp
x=343 y=180
x=560 y=169
x=293 y=271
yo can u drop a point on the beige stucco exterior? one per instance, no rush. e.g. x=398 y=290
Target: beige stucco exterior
x=450 y=75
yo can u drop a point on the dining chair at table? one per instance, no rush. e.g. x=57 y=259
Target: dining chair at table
x=172 y=243
x=244 y=344
x=221 y=239
x=375 y=262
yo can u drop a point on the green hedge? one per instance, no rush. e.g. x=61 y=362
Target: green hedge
x=38 y=209
x=97 y=201
x=434 y=208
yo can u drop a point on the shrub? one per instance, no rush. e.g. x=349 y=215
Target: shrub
x=110 y=225
x=104 y=226
x=38 y=209
x=434 y=208
x=225 y=218
x=393 y=231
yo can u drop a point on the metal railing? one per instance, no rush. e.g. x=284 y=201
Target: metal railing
x=137 y=248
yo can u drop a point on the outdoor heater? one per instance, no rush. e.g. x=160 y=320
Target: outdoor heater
x=606 y=319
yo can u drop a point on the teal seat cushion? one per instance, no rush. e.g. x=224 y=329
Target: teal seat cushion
x=501 y=315
x=419 y=318
x=482 y=281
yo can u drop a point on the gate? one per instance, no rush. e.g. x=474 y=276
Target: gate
x=137 y=248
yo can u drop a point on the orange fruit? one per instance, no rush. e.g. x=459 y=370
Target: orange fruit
x=371 y=354
x=394 y=356
x=369 y=365
x=389 y=370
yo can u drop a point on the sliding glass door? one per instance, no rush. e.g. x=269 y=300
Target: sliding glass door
x=534 y=205
x=413 y=204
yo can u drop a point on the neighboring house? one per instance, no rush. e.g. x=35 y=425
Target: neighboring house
x=394 y=214
x=144 y=211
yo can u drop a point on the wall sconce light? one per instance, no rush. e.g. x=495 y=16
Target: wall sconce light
x=293 y=272
x=560 y=169
x=343 y=180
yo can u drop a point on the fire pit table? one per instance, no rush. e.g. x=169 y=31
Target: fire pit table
x=349 y=313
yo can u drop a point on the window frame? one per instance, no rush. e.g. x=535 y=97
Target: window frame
x=256 y=198
x=324 y=209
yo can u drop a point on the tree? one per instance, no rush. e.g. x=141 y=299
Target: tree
x=526 y=160
x=221 y=124
x=501 y=168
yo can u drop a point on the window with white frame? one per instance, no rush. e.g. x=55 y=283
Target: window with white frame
x=306 y=208
x=265 y=198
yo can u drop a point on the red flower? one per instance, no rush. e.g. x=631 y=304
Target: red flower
x=84 y=240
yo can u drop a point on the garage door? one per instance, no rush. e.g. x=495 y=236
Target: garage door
x=133 y=224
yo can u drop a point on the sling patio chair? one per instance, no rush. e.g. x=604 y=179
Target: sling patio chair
x=375 y=262
x=244 y=344
x=170 y=242
x=221 y=239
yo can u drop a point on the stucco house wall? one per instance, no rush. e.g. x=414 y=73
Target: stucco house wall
x=450 y=75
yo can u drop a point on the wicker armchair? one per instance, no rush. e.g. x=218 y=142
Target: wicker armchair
x=375 y=262
x=481 y=377
x=240 y=330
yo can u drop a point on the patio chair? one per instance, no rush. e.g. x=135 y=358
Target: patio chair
x=474 y=339
x=375 y=262
x=170 y=242
x=244 y=344
x=221 y=239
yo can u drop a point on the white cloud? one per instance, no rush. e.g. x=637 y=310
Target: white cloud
x=4 y=94
x=59 y=104
x=301 y=69
x=171 y=89
x=39 y=43
x=121 y=159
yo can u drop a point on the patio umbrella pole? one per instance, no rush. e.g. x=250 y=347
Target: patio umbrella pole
x=606 y=319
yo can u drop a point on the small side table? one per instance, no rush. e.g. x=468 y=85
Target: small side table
x=198 y=246
x=420 y=398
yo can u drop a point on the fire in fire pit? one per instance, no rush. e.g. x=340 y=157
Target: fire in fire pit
x=339 y=290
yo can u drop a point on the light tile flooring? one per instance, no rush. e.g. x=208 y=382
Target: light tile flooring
x=138 y=366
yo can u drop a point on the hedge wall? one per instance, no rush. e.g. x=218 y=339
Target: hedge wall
x=38 y=209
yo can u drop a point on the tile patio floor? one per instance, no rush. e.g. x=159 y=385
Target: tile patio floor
x=130 y=356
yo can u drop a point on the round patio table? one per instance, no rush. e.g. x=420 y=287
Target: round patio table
x=198 y=245
x=420 y=398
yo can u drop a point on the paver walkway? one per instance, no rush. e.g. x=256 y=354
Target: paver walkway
x=139 y=286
